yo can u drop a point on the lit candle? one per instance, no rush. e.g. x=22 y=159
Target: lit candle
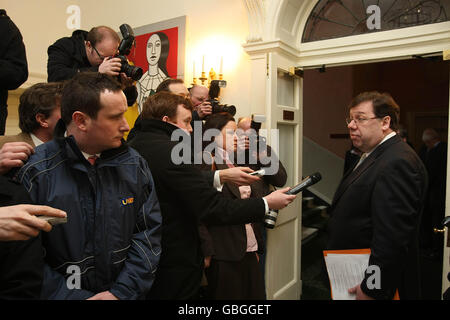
x=203 y=64
x=221 y=65
x=193 y=70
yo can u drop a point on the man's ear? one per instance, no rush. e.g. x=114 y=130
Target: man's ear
x=81 y=120
x=386 y=122
x=40 y=118
x=165 y=119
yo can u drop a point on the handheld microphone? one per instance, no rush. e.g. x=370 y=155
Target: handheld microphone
x=305 y=183
x=270 y=219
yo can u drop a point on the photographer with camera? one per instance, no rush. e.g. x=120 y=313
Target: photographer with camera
x=199 y=97
x=95 y=51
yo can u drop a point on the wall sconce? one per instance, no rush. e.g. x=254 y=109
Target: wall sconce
x=211 y=76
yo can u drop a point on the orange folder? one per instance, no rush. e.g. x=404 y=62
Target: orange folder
x=354 y=251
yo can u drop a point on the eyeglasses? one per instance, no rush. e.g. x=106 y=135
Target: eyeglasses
x=99 y=55
x=359 y=120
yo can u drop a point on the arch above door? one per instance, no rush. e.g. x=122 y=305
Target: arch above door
x=280 y=23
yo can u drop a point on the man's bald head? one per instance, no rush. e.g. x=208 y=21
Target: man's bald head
x=101 y=42
x=100 y=33
x=199 y=94
x=244 y=123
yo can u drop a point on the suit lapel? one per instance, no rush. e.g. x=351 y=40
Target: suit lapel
x=352 y=175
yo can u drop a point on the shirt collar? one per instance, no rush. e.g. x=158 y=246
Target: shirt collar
x=86 y=155
x=390 y=135
x=223 y=153
x=36 y=140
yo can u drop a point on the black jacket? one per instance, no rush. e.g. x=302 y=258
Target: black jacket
x=186 y=198
x=13 y=59
x=21 y=262
x=67 y=56
x=229 y=243
x=378 y=206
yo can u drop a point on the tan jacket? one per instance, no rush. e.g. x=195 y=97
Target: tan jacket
x=21 y=137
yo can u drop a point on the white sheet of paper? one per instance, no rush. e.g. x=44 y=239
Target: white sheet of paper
x=345 y=271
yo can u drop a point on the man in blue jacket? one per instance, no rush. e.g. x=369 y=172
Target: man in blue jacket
x=110 y=246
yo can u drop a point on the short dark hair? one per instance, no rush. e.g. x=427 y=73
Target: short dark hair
x=383 y=105
x=164 y=104
x=164 y=86
x=218 y=121
x=97 y=34
x=82 y=93
x=39 y=98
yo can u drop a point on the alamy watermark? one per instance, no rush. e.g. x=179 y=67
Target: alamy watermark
x=374 y=280
x=73 y=281
x=374 y=20
x=74 y=20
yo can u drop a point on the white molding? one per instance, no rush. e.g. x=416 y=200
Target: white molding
x=271 y=46
x=256 y=20
x=377 y=46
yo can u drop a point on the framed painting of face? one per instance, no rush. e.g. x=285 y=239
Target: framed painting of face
x=160 y=52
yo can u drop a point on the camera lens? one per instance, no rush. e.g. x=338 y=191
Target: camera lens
x=270 y=219
x=131 y=71
x=230 y=109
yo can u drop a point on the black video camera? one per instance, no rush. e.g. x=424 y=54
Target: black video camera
x=257 y=143
x=218 y=108
x=213 y=93
x=124 y=49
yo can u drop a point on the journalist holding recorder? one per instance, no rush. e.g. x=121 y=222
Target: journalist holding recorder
x=186 y=197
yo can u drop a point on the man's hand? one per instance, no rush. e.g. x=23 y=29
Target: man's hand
x=360 y=295
x=105 y=295
x=13 y=155
x=110 y=66
x=204 y=109
x=20 y=223
x=278 y=199
x=238 y=175
x=126 y=81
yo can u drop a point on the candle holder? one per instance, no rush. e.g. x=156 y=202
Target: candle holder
x=203 y=78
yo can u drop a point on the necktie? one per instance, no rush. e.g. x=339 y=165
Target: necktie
x=92 y=159
x=363 y=157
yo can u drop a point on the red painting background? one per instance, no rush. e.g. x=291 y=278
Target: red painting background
x=139 y=53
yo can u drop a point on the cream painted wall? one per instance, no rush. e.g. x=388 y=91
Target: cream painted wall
x=214 y=28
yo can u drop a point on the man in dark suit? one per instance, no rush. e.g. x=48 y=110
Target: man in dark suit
x=186 y=197
x=13 y=63
x=378 y=203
